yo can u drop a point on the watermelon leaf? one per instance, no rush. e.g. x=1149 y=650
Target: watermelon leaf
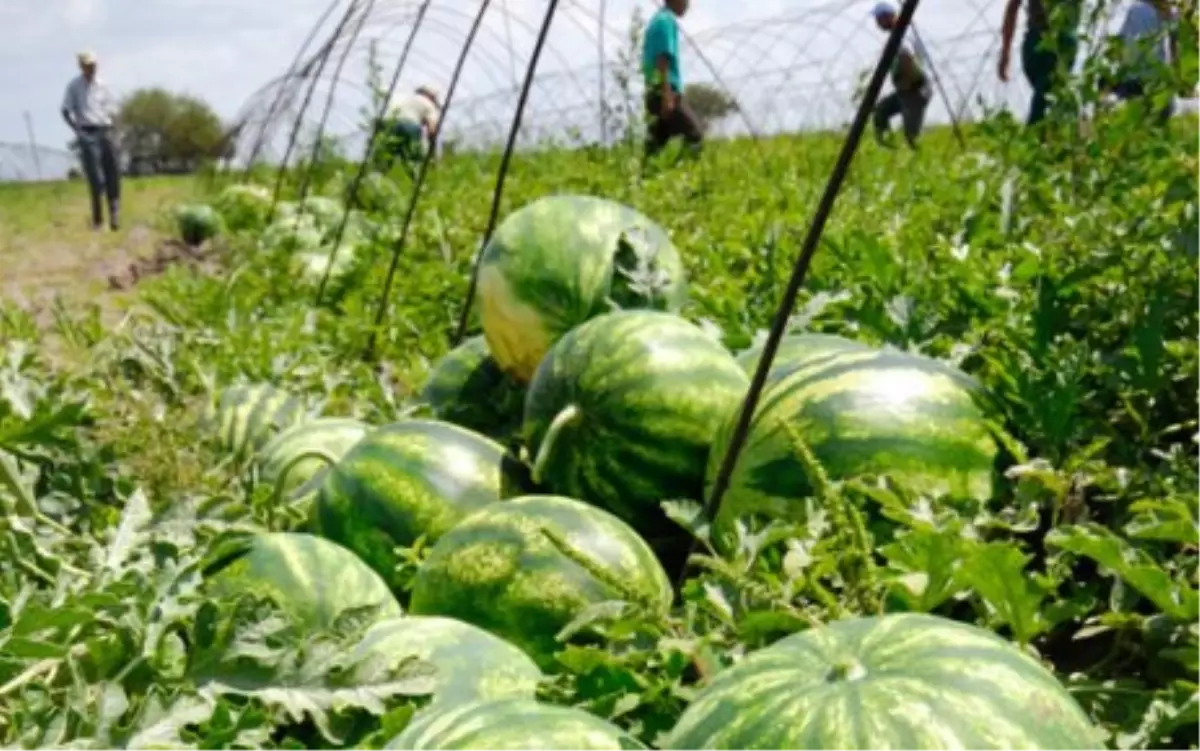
x=996 y=571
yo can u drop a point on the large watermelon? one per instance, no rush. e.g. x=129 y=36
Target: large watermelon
x=523 y=569
x=795 y=350
x=622 y=412
x=248 y=416
x=313 y=579
x=560 y=260
x=410 y=479
x=511 y=724
x=467 y=388
x=471 y=663
x=901 y=681
x=306 y=449
x=870 y=412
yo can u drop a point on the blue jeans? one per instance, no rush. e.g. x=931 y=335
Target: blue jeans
x=99 y=156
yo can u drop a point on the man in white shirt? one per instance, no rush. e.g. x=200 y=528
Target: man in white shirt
x=90 y=111
x=1149 y=46
x=412 y=126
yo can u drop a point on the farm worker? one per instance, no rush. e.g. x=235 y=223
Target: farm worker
x=912 y=87
x=667 y=113
x=414 y=123
x=1149 y=43
x=1048 y=50
x=89 y=110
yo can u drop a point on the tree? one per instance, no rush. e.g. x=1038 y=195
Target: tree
x=710 y=103
x=163 y=132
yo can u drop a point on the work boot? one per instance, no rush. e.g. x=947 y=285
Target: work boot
x=113 y=214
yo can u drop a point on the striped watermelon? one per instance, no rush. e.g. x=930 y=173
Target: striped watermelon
x=860 y=413
x=249 y=415
x=471 y=663
x=795 y=350
x=523 y=569
x=511 y=724
x=623 y=409
x=563 y=259
x=406 y=480
x=900 y=681
x=312 y=579
x=467 y=388
x=293 y=457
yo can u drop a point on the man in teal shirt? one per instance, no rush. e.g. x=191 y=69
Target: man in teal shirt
x=667 y=114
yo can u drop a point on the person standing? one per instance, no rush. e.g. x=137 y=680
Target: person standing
x=413 y=125
x=668 y=115
x=912 y=88
x=1048 y=50
x=90 y=111
x=1149 y=44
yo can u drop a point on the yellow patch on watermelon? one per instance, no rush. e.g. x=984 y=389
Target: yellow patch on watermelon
x=514 y=329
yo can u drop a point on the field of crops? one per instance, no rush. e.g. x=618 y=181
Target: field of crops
x=230 y=521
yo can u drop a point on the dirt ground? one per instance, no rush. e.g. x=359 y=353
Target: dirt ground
x=48 y=248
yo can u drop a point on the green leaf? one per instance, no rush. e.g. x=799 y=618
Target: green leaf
x=1167 y=520
x=927 y=565
x=996 y=571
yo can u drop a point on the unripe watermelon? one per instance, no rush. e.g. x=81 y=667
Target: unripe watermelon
x=407 y=480
x=511 y=724
x=903 y=681
x=523 y=569
x=467 y=388
x=622 y=411
x=871 y=412
x=306 y=449
x=560 y=260
x=471 y=663
x=312 y=579
x=795 y=350
x=248 y=416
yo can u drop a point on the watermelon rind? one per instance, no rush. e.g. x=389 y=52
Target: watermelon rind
x=409 y=480
x=916 y=420
x=468 y=388
x=471 y=663
x=623 y=410
x=295 y=455
x=795 y=350
x=563 y=259
x=897 y=681
x=247 y=416
x=511 y=724
x=312 y=579
x=525 y=568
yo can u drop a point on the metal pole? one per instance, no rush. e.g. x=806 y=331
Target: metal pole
x=33 y=147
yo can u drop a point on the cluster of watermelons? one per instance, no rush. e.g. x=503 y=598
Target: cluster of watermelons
x=538 y=481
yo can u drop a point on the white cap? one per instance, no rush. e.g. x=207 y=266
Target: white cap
x=882 y=9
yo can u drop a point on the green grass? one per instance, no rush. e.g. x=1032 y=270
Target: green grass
x=1058 y=271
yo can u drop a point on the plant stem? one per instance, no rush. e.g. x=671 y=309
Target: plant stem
x=567 y=416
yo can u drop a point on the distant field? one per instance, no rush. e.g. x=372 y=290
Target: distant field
x=47 y=246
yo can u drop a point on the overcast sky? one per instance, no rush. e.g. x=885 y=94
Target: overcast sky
x=225 y=50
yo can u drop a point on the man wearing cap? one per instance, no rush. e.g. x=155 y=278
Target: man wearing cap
x=912 y=91
x=90 y=110
x=413 y=124
x=1048 y=49
x=668 y=115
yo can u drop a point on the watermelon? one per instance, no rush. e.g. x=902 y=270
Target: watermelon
x=312 y=579
x=467 y=388
x=623 y=409
x=795 y=350
x=523 y=569
x=293 y=457
x=874 y=412
x=197 y=222
x=510 y=724
x=248 y=416
x=563 y=259
x=471 y=663
x=899 y=681
x=406 y=480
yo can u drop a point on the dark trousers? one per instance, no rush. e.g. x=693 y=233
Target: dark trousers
x=403 y=141
x=910 y=105
x=99 y=156
x=1046 y=69
x=681 y=123
x=1134 y=89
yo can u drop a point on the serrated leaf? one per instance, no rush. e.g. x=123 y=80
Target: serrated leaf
x=928 y=563
x=996 y=571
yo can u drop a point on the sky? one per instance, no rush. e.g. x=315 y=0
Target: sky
x=791 y=62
